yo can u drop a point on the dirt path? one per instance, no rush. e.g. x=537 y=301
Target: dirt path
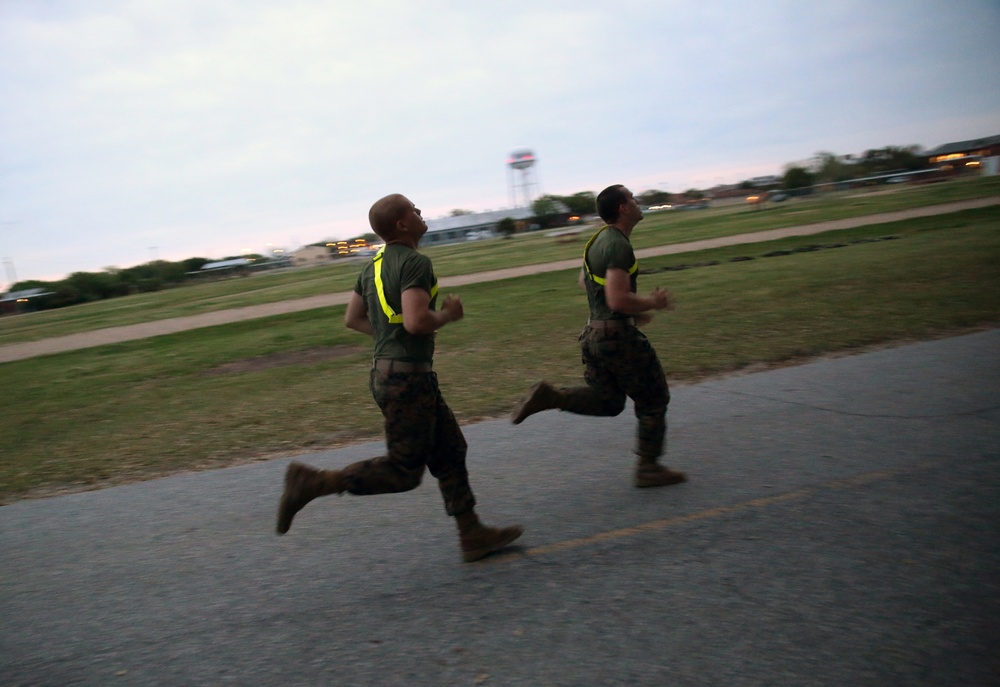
x=110 y=335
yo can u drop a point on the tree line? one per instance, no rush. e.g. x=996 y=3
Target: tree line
x=824 y=167
x=86 y=287
x=830 y=168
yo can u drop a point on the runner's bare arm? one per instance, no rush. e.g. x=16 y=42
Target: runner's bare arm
x=418 y=318
x=618 y=293
x=356 y=315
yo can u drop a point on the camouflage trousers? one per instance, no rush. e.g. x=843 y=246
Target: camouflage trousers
x=619 y=363
x=420 y=432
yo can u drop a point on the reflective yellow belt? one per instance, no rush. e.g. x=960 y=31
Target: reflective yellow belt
x=386 y=308
x=594 y=277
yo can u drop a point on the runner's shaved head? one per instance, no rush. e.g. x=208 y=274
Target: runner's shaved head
x=386 y=212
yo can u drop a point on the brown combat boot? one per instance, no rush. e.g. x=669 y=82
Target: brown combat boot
x=656 y=475
x=479 y=541
x=542 y=396
x=302 y=485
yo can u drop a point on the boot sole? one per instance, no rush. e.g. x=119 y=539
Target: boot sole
x=482 y=552
x=643 y=484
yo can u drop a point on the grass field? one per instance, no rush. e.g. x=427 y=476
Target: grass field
x=464 y=258
x=294 y=383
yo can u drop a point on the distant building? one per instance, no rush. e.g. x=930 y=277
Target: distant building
x=461 y=227
x=312 y=255
x=724 y=191
x=234 y=267
x=979 y=154
x=354 y=248
x=21 y=301
x=765 y=181
x=225 y=265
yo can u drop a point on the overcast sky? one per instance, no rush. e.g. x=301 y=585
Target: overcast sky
x=165 y=129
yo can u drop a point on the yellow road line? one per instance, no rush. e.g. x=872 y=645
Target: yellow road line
x=662 y=524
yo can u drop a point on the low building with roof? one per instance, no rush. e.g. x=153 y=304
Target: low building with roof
x=978 y=154
x=223 y=268
x=312 y=255
x=473 y=224
x=21 y=301
x=223 y=265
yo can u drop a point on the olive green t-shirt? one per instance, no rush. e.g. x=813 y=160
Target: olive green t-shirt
x=402 y=268
x=608 y=249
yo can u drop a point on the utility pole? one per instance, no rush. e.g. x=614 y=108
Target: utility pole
x=8 y=265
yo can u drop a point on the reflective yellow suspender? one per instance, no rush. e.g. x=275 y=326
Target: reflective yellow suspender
x=386 y=308
x=586 y=266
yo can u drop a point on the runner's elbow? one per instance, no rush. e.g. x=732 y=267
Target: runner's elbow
x=418 y=326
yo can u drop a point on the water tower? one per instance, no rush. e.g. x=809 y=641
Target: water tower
x=522 y=184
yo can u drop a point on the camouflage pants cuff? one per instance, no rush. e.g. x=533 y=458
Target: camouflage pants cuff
x=457 y=493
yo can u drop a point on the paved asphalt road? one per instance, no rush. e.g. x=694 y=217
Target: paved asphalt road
x=841 y=527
